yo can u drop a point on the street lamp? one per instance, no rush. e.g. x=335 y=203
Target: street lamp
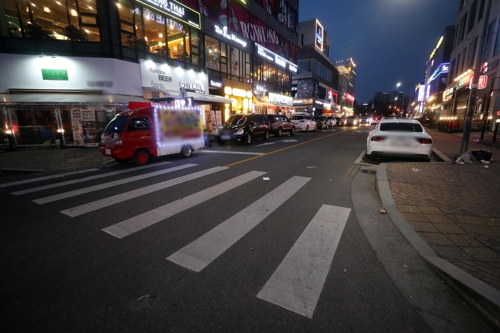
x=409 y=85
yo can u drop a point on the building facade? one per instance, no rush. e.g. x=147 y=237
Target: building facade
x=472 y=16
x=87 y=59
x=347 y=85
x=316 y=83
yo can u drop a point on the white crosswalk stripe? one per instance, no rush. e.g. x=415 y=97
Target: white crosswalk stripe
x=39 y=179
x=132 y=225
x=81 y=191
x=297 y=283
x=92 y=206
x=200 y=253
x=81 y=180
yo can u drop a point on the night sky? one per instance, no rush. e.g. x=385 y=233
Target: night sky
x=390 y=41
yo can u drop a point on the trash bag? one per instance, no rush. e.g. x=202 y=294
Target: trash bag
x=466 y=157
x=481 y=155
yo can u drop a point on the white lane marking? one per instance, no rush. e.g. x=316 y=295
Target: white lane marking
x=154 y=216
x=274 y=142
x=200 y=253
x=229 y=152
x=47 y=177
x=92 y=206
x=89 y=189
x=363 y=131
x=76 y=181
x=297 y=283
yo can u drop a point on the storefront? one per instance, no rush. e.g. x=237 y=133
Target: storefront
x=162 y=82
x=272 y=103
x=46 y=97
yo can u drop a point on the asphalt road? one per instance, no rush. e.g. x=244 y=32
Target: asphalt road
x=234 y=239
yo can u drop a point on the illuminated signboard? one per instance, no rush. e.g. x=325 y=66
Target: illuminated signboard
x=175 y=9
x=437 y=47
x=319 y=35
x=421 y=93
x=483 y=82
x=276 y=59
x=448 y=94
x=223 y=31
x=443 y=68
x=349 y=97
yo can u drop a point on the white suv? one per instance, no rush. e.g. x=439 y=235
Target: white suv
x=303 y=121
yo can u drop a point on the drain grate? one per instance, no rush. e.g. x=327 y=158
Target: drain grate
x=371 y=172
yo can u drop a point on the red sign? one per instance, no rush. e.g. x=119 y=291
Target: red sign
x=483 y=81
x=349 y=97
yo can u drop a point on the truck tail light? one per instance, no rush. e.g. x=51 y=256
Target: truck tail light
x=378 y=138
x=425 y=141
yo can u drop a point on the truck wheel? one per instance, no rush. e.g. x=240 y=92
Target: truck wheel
x=121 y=160
x=187 y=151
x=142 y=157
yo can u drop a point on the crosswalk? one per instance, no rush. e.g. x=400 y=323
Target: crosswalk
x=297 y=282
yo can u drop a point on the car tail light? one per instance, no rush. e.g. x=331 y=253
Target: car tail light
x=378 y=138
x=301 y=121
x=425 y=141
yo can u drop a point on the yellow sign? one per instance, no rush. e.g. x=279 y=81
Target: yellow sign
x=437 y=47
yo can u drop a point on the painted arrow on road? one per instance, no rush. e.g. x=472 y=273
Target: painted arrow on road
x=272 y=143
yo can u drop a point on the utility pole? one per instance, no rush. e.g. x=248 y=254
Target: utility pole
x=471 y=105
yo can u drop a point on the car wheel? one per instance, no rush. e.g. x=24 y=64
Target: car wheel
x=280 y=131
x=266 y=135
x=142 y=157
x=187 y=151
x=121 y=160
x=292 y=132
x=307 y=129
x=249 y=139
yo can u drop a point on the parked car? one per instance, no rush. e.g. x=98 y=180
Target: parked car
x=351 y=121
x=243 y=127
x=303 y=121
x=321 y=122
x=365 y=120
x=331 y=121
x=279 y=123
x=399 y=137
x=375 y=120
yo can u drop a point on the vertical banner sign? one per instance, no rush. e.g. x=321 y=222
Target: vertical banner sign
x=483 y=82
x=76 y=127
x=319 y=36
x=89 y=132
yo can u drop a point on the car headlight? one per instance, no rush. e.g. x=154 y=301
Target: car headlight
x=355 y=122
x=240 y=131
x=217 y=131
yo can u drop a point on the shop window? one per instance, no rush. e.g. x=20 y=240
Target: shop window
x=48 y=19
x=87 y=6
x=178 y=42
x=195 y=46
x=223 y=58
x=12 y=18
x=212 y=53
x=126 y=14
x=154 y=32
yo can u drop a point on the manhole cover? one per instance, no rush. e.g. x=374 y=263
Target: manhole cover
x=371 y=172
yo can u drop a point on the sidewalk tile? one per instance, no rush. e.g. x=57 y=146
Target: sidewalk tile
x=492 y=222
x=408 y=209
x=415 y=217
x=422 y=226
x=470 y=220
x=482 y=253
x=477 y=229
x=437 y=238
x=452 y=252
x=429 y=210
x=449 y=228
x=438 y=218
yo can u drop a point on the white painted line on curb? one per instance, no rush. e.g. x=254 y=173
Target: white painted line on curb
x=81 y=180
x=229 y=152
x=47 y=177
x=200 y=253
x=297 y=283
x=92 y=206
x=139 y=222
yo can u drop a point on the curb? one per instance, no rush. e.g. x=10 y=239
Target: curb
x=484 y=298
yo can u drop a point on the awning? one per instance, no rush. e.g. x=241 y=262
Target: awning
x=43 y=98
x=196 y=96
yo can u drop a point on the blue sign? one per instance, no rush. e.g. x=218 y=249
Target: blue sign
x=442 y=69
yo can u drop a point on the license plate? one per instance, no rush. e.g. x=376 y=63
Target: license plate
x=225 y=137
x=107 y=151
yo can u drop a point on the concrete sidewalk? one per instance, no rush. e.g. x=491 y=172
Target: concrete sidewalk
x=453 y=209
x=50 y=158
